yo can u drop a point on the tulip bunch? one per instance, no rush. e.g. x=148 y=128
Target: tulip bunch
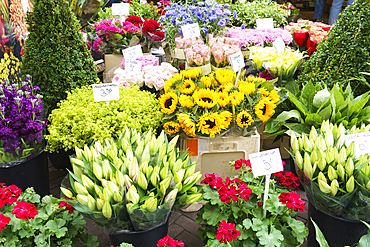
x=330 y=168
x=132 y=182
x=182 y=43
x=197 y=55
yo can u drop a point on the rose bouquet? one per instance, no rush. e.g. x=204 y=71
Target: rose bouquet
x=182 y=43
x=336 y=179
x=221 y=49
x=21 y=123
x=234 y=216
x=27 y=221
x=149 y=60
x=206 y=105
x=197 y=55
x=131 y=183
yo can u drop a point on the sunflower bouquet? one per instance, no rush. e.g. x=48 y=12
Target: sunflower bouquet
x=213 y=104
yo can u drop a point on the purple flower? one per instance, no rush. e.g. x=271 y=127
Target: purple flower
x=212 y=18
x=208 y=3
x=204 y=30
x=235 y=13
x=222 y=23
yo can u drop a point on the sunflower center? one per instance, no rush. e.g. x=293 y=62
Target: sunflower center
x=171 y=128
x=168 y=103
x=244 y=120
x=208 y=100
x=210 y=123
x=264 y=109
x=188 y=86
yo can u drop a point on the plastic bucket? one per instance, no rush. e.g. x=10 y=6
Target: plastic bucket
x=61 y=160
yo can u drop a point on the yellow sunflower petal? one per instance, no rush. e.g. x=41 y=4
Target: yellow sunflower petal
x=210 y=124
x=264 y=109
x=205 y=98
x=168 y=102
x=224 y=76
x=172 y=127
x=244 y=119
x=185 y=101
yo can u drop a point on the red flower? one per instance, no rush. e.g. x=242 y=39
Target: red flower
x=227 y=232
x=150 y=26
x=3 y=221
x=24 y=210
x=65 y=204
x=293 y=201
x=8 y=195
x=259 y=204
x=135 y=20
x=300 y=38
x=311 y=46
x=232 y=188
x=213 y=180
x=288 y=179
x=239 y=164
x=167 y=241
x=158 y=36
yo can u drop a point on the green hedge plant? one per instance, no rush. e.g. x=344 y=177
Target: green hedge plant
x=80 y=121
x=56 y=55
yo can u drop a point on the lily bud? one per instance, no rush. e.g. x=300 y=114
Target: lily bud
x=77 y=162
x=78 y=153
x=322 y=177
x=332 y=174
x=178 y=176
x=98 y=191
x=144 y=166
x=335 y=131
x=320 y=144
x=112 y=187
x=329 y=157
x=172 y=159
x=341 y=172
x=106 y=169
x=325 y=126
x=77 y=170
x=140 y=148
x=117 y=196
x=66 y=192
x=307 y=145
x=162 y=152
x=87 y=182
x=98 y=147
x=80 y=189
x=98 y=172
x=342 y=156
x=300 y=143
x=351 y=150
x=171 y=196
x=341 y=130
x=329 y=139
x=90 y=202
x=141 y=180
x=349 y=167
x=307 y=167
x=120 y=178
x=172 y=144
x=104 y=183
x=178 y=186
x=107 y=194
x=154 y=179
x=299 y=160
x=129 y=155
x=133 y=169
x=163 y=173
x=350 y=185
x=107 y=210
x=128 y=181
x=340 y=141
x=151 y=204
x=177 y=166
x=99 y=204
x=193 y=189
x=294 y=143
x=163 y=185
x=87 y=153
x=129 y=207
x=324 y=187
x=82 y=199
x=321 y=164
x=132 y=195
x=193 y=198
x=146 y=154
x=313 y=133
x=190 y=171
x=334 y=187
x=335 y=154
x=313 y=157
x=320 y=154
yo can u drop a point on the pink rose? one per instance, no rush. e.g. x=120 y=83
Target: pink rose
x=198 y=60
x=207 y=58
x=179 y=42
x=159 y=83
x=205 y=51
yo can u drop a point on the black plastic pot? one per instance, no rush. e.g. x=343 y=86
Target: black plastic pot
x=147 y=238
x=61 y=160
x=337 y=231
x=31 y=173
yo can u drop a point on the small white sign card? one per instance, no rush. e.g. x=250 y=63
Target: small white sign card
x=279 y=44
x=191 y=30
x=133 y=52
x=25 y=5
x=133 y=64
x=105 y=92
x=237 y=61
x=121 y=9
x=266 y=23
x=362 y=142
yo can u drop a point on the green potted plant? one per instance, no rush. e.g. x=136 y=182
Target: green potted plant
x=131 y=184
x=234 y=216
x=27 y=220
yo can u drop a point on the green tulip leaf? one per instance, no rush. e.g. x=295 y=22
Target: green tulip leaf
x=319 y=236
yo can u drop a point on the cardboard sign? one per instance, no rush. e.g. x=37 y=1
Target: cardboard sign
x=266 y=162
x=133 y=52
x=133 y=65
x=237 y=61
x=266 y=23
x=279 y=45
x=191 y=30
x=362 y=142
x=120 y=9
x=105 y=92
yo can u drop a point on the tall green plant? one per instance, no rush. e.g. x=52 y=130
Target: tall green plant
x=55 y=55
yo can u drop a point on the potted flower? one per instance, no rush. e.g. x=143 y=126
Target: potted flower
x=98 y=120
x=27 y=220
x=22 y=157
x=234 y=215
x=131 y=184
x=337 y=182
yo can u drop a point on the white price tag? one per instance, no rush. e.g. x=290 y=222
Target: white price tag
x=120 y=9
x=279 y=45
x=25 y=5
x=133 y=52
x=133 y=65
x=237 y=61
x=362 y=142
x=105 y=92
x=157 y=51
x=266 y=162
x=143 y=1
x=266 y=23
x=190 y=31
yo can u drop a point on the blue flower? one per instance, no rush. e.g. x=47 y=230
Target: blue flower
x=208 y=3
x=221 y=23
x=204 y=30
x=199 y=15
x=235 y=14
x=201 y=3
x=174 y=21
x=219 y=12
x=180 y=31
x=227 y=12
x=226 y=5
x=243 y=26
x=193 y=8
x=212 y=18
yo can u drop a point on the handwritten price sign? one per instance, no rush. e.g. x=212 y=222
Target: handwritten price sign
x=105 y=92
x=190 y=30
x=237 y=61
x=120 y=9
x=266 y=162
x=133 y=65
x=362 y=142
x=133 y=52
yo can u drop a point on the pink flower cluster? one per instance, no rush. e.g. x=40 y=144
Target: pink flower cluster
x=197 y=55
x=317 y=31
x=223 y=40
x=149 y=60
x=251 y=37
x=182 y=43
x=221 y=53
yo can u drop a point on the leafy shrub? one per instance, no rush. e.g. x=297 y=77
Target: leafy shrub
x=79 y=120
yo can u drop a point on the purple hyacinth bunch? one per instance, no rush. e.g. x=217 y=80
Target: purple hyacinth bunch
x=21 y=120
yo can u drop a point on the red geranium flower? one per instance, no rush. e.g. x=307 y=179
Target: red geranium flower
x=150 y=26
x=65 y=204
x=135 y=20
x=3 y=221
x=158 y=36
x=213 y=180
x=8 y=195
x=24 y=210
x=289 y=180
x=293 y=201
x=167 y=241
x=227 y=232
x=239 y=164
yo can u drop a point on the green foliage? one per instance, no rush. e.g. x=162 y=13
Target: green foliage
x=55 y=55
x=79 y=121
x=343 y=55
x=53 y=225
x=126 y=245
x=312 y=105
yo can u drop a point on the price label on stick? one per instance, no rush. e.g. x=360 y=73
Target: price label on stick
x=133 y=52
x=266 y=162
x=362 y=142
x=279 y=45
x=105 y=92
x=120 y=9
x=264 y=24
x=237 y=61
x=190 y=30
x=133 y=65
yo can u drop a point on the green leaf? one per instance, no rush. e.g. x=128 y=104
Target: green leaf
x=319 y=236
x=286 y=115
x=313 y=119
x=299 y=230
x=273 y=238
x=338 y=96
x=212 y=195
x=213 y=215
x=300 y=106
x=247 y=223
x=56 y=226
x=272 y=126
x=321 y=98
x=364 y=240
x=325 y=113
x=358 y=106
x=299 y=128
x=292 y=86
x=308 y=93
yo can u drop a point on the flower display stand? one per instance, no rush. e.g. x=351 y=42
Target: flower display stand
x=213 y=155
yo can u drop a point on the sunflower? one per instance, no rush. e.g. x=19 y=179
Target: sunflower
x=186 y=124
x=168 y=102
x=236 y=98
x=264 y=92
x=185 y=101
x=227 y=117
x=246 y=87
x=187 y=87
x=172 y=127
x=244 y=119
x=171 y=81
x=207 y=81
x=224 y=99
x=255 y=80
x=274 y=97
x=264 y=109
x=205 y=98
x=224 y=76
x=191 y=73
x=210 y=124
x=225 y=88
